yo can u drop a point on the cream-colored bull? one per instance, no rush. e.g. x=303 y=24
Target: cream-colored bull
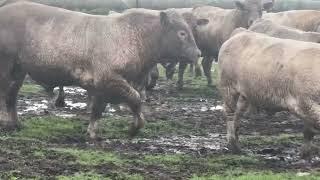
x=272 y=74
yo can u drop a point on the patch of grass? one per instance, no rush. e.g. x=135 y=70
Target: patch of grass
x=117 y=128
x=83 y=176
x=164 y=160
x=259 y=176
x=31 y=89
x=15 y=175
x=92 y=157
x=52 y=128
x=204 y=165
x=39 y=154
x=130 y=176
x=170 y=128
x=282 y=139
x=195 y=86
x=114 y=127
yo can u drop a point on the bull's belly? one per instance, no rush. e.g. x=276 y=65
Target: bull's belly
x=51 y=76
x=270 y=102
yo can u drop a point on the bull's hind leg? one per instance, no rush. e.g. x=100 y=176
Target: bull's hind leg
x=310 y=113
x=233 y=116
x=61 y=97
x=182 y=68
x=206 y=65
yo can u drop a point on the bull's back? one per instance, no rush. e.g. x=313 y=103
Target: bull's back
x=42 y=27
x=54 y=42
x=269 y=69
x=300 y=19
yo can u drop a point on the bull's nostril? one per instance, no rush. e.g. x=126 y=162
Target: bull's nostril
x=250 y=22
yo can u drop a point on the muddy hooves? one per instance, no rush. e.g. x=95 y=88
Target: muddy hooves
x=234 y=148
x=210 y=85
x=95 y=141
x=179 y=87
x=133 y=132
x=10 y=127
x=60 y=104
x=307 y=152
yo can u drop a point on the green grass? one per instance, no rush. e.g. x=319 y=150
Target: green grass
x=95 y=176
x=91 y=157
x=83 y=176
x=195 y=86
x=261 y=176
x=282 y=139
x=31 y=89
x=52 y=128
x=47 y=139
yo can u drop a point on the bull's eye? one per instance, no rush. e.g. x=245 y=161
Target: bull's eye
x=182 y=34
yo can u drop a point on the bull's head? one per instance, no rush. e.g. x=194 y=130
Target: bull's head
x=251 y=10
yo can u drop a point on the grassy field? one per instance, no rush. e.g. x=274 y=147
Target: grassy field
x=51 y=147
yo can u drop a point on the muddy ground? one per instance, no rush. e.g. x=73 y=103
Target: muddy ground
x=184 y=138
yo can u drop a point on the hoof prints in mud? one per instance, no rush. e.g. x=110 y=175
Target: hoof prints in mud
x=184 y=136
x=173 y=145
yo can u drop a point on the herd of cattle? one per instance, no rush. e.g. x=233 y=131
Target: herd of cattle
x=265 y=61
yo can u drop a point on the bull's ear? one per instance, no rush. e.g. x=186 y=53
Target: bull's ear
x=164 y=18
x=239 y=5
x=202 y=22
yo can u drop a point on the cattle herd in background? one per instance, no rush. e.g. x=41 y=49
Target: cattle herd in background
x=265 y=61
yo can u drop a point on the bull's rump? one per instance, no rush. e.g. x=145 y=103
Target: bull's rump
x=268 y=70
x=59 y=46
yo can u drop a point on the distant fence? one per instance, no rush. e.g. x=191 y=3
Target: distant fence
x=104 y=6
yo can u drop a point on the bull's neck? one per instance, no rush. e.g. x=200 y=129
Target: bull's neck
x=149 y=34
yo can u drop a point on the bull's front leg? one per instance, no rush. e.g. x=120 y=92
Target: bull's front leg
x=197 y=69
x=182 y=68
x=170 y=69
x=10 y=82
x=191 y=69
x=97 y=107
x=124 y=92
x=206 y=65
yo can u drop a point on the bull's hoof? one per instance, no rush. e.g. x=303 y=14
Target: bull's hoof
x=179 y=86
x=133 y=131
x=210 y=84
x=95 y=141
x=191 y=74
x=60 y=103
x=9 y=127
x=307 y=151
x=234 y=148
x=198 y=73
